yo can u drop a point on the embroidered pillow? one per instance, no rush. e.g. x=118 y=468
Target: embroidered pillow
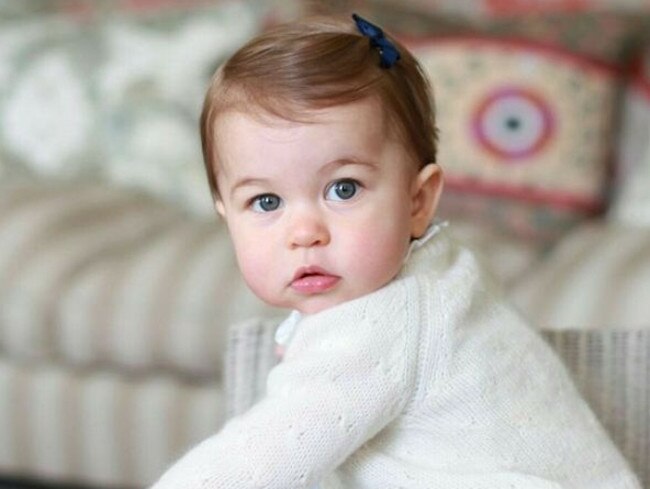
x=525 y=131
x=112 y=90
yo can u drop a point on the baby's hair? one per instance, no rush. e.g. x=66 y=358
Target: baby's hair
x=314 y=64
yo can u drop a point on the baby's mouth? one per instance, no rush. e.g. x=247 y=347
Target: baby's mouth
x=313 y=280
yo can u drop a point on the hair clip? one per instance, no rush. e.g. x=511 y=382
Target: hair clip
x=387 y=50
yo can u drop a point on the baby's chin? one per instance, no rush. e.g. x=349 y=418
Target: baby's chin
x=315 y=309
x=316 y=304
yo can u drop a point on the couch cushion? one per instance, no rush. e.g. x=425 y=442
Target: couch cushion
x=507 y=257
x=597 y=277
x=97 y=427
x=91 y=275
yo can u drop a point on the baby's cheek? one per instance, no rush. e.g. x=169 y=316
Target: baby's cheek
x=377 y=258
x=255 y=268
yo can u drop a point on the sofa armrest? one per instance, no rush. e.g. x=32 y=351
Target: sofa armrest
x=249 y=357
x=611 y=368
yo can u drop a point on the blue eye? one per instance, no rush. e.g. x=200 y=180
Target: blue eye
x=342 y=190
x=266 y=203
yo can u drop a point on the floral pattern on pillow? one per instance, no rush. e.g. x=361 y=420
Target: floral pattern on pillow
x=151 y=86
x=114 y=94
x=47 y=115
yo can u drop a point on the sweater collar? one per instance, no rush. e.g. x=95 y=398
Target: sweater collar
x=433 y=230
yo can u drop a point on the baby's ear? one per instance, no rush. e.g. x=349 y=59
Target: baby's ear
x=425 y=194
x=218 y=205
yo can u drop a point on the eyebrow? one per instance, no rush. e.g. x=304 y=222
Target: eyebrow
x=247 y=181
x=347 y=162
x=251 y=181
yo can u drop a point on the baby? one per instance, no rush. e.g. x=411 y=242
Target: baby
x=402 y=366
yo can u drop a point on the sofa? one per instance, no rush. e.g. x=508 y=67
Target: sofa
x=126 y=332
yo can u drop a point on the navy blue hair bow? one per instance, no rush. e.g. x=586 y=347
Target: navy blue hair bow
x=387 y=50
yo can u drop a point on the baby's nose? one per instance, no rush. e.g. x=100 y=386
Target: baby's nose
x=308 y=229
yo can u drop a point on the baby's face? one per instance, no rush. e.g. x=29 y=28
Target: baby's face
x=320 y=212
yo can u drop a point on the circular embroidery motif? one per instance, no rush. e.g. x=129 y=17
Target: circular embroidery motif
x=513 y=123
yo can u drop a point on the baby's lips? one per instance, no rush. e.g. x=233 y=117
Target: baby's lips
x=309 y=270
x=315 y=283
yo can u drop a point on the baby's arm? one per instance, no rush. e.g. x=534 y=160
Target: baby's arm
x=345 y=376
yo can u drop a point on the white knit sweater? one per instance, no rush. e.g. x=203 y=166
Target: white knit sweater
x=431 y=381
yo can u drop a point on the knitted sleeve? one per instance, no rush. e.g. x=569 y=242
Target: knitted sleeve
x=347 y=373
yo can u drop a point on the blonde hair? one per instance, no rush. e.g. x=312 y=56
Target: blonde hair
x=315 y=64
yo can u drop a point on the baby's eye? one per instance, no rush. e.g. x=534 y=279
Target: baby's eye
x=342 y=189
x=266 y=203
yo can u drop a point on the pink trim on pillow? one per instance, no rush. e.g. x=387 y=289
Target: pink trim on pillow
x=581 y=60
x=551 y=198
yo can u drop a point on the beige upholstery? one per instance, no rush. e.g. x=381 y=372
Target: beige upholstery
x=114 y=310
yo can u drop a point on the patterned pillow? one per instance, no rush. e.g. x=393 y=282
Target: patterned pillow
x=632 y=194
x=112 y=90
x=527 y=111
x=525 y=131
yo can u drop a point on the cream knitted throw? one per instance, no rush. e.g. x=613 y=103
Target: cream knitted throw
x=429 y=382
